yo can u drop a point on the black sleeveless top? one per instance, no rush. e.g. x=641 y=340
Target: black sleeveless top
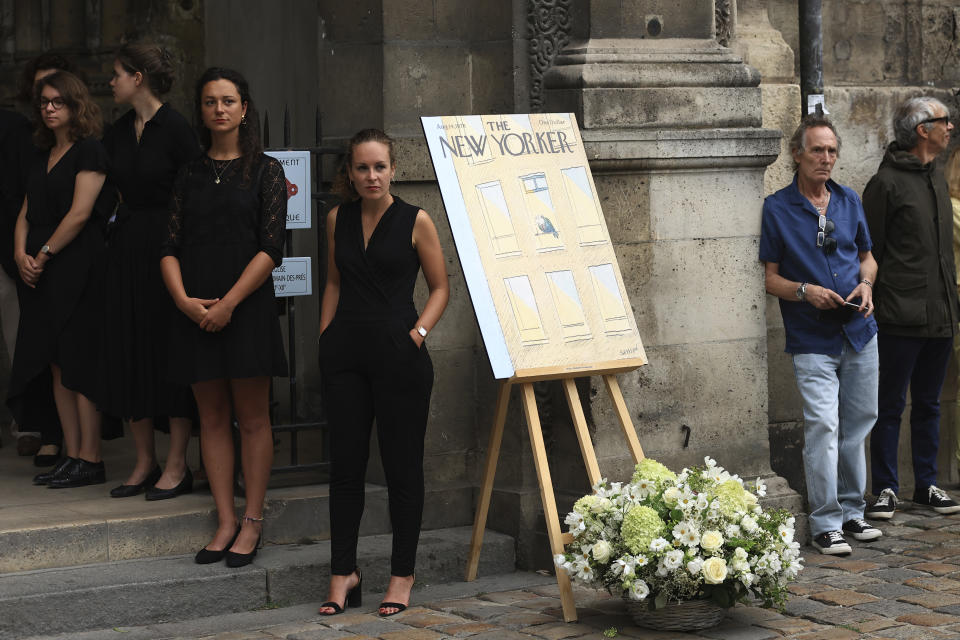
x=377 y=283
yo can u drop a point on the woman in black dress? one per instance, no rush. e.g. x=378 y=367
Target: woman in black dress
x=56 y=241
x=226 y=232
x=147 y=146
x=374 y=361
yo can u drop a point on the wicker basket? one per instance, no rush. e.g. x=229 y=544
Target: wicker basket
x=686 y=615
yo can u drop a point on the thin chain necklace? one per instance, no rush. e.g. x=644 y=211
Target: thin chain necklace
x=218 y=174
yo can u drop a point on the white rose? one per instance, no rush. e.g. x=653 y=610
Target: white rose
x=711 y=540
x=714 y=570
x=602 y=551
x=671 y=495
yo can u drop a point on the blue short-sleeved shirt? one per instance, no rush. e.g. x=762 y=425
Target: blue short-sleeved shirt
x=788 y=237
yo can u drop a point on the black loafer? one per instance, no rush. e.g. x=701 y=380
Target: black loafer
x=129 y=490
x=47 y=459
x=185 y=486
x=47 y=476
x=81 y=474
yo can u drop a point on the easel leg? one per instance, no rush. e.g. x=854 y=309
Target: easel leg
x=613 y=388
x=486 y=487
x=547 y=498
x=583 y=434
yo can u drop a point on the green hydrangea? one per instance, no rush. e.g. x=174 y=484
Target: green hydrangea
x=584 y=505
x=650 y=469
x=731 y=496
x=640 y=526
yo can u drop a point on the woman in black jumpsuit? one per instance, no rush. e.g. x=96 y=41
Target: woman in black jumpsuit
x=374 y=362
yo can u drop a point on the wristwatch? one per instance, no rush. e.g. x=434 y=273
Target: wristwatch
x=47 y=250
x=801 y=291
x=422 y=332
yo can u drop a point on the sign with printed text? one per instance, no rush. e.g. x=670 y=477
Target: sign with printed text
x=293 y=278
x=296 y=169
x=533 y=243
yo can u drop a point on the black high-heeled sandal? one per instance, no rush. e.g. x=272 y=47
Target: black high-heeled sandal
x=396 y=605
x=235 y=560
x=354 y=598
x=209 y=556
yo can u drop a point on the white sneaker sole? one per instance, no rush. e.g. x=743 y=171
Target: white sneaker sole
x=879 y=515
x=955 y=508
x=866 y=535
x=834 y=550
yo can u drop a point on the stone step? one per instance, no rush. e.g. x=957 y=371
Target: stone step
x=84 y=526
x=158 y=590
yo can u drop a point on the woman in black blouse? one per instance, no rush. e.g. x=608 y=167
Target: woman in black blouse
x=56 y=241
x=147 y=146
x=226 y=233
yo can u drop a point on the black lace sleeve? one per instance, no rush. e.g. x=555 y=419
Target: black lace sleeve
x=171 y=244
x=273 y=210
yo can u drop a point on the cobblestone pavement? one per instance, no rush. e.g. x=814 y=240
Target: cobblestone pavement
x=905 y=585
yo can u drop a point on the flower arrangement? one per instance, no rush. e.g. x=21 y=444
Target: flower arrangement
x=667 y=538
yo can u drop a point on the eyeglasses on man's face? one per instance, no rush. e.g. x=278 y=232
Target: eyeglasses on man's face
x=57 y=103
x=943 y=119
x=824 y=241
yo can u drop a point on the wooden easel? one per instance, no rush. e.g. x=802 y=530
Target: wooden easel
x=526 y=379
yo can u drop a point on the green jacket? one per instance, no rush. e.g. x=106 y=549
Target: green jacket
x=911 y=224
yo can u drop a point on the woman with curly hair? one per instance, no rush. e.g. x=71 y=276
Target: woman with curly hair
x=56 y=242
x=225 y=235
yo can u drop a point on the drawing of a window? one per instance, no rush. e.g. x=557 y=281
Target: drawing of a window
x=471 y=128
x=586 y=213
x=536 y=197
x=566 y=299
x=496 y=215
x=609 y=300
x=525 y=310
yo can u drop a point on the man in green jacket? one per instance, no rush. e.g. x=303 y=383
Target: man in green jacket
x=908 y=209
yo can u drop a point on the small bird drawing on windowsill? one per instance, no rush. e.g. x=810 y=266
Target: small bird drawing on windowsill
x=546 y=227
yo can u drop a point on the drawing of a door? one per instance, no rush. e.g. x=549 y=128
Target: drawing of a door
x=525 y=310
x=539 y=204
x=609 y=300
x=573 y=322
x=496 y=215
x=586 y=213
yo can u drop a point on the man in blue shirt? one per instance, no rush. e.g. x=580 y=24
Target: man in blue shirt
x=815 y=246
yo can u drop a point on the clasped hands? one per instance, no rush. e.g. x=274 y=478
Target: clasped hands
x=211 y=315
x=823 y=298
x=31 y=267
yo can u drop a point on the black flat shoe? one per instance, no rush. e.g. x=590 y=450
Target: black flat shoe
x=47 y=459
x=208 y=556
x=354 y=598
x=47 y=476
x=81 y=474
x=185 y=486
x=130 y=490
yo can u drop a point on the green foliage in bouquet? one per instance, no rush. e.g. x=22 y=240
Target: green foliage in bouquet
x=666 y=537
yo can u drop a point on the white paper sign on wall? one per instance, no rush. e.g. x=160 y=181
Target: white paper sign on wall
x=296 y=168
x=293 y=278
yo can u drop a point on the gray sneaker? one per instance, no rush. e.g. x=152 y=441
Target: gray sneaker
x=884 y=507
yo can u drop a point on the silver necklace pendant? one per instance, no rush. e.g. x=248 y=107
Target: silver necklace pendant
x=216 y=180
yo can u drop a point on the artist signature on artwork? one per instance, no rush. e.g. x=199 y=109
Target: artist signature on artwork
x=624 y=352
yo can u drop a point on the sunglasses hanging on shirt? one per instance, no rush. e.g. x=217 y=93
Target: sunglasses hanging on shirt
x=824 y=241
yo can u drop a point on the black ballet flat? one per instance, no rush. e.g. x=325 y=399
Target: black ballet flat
x=130 y=490
x=209 y=556
x=47 y=476
x=47 y=459
x=185 y=486
x=354 y=598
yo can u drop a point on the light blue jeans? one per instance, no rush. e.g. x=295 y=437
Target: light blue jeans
x=839 y=408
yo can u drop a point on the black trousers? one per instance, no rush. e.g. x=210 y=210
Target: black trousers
x=374 y=371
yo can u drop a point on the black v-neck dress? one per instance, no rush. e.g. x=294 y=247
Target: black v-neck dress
x=133 y=382
x=57 y=321
x=215 y=230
